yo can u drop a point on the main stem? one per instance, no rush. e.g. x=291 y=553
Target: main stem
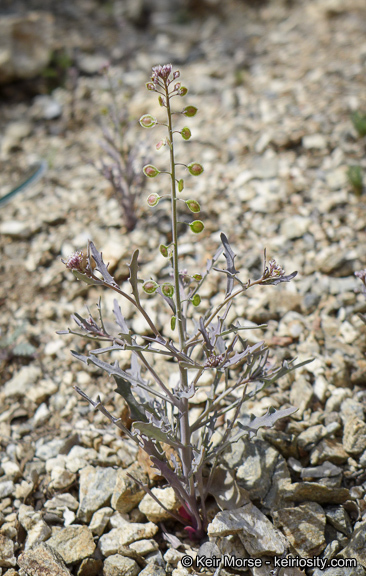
x=186 y=452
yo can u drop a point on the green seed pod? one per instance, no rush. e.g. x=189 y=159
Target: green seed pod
x=161 y=101
x=150 y=171
x=196 y=300
x=182 y=91
x=153 y=200
x=173 y=322
x=197 y=226
x=193 y=205
x=186 y=133
x=195 y=169
x=189 y=111
x=150 y=287
x=167 y=289
x=147 y=121
x=160 y=144
x=180 y=185
x=164 y=250
x=197 y=277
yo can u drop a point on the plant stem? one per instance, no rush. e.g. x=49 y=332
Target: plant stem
x=185 y=436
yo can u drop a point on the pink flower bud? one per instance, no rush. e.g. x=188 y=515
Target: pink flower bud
x=177 y=86
x=151 y=86
x=180 y=185
x=195 y=169
x=176 y=74
x=150 y=287
x=186 y=133
x=167 y=289
x=164 y=250
x=196 y=300
x=147 y=121
x=193 y=205
x=183 y=91
x=173 y=322
x=153 y=200
x=197 y=226
x=150 y=171
x=77 y=261
x=197 y=277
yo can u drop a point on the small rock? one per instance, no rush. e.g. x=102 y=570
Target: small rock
x=314 y=141
x=328 y=449
x=354 y=436
x=90 y=567
x=301 y=394
x=43 y=560
x=45 y=108
x=256 y=473
x=27 y=376
x=338 y=517
x=100 y=520
x=301 y=491
x=131 y=532
x=152 y=570
x=7 y=558
x=294 y=227
x=144 y=547
x=356 y=545
x=153 y=511
x=96 y=489
x=127 y=493
x=7 y=488
x=15 y=132
x=257 y=533
x=304 y=528
x=25 y=45
x=308 y=438
x=73 y=543
x=118 y=565
x=36 y=528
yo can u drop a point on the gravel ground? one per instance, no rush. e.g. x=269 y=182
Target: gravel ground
x=276 y=84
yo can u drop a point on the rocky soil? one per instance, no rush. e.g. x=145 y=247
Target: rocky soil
x=275 y=83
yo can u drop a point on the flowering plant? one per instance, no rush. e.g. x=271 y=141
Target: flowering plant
x=160 y=414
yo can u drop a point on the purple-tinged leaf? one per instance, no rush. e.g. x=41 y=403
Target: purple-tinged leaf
x=230 y=267
x=157 y=434
x=279 y=279
x=205 y=335
x=133 y=268
x=121 y=321
x=256 y=349
x=266 y=421
x=86 y=279
x=100 y=265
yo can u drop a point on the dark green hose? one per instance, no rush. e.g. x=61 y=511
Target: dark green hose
x=37 y=172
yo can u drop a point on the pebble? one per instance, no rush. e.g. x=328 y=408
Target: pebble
x=91 y=497
x=354 y=436
x=100 y=520
x=257 y=533
x=43 y=559
x=7 y=558
x=153 y=511
x=73 y=543
x=304 y=527
x=117 y=565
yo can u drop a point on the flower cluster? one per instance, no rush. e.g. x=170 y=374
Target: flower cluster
x=76 y=261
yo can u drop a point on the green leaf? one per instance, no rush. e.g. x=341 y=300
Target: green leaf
x=155 y=433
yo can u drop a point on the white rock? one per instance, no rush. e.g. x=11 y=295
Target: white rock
x=152 y=510
x=316 y=141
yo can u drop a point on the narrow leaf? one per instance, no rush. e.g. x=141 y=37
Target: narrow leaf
x=230 y=256
x=100 y=265
x=133 y=267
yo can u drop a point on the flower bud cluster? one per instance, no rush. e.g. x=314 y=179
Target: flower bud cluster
x=273 y=270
